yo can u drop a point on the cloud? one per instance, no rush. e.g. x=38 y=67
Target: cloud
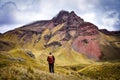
x=7 y=13
x=5 y=28
x=89 y=17
x=20 y=12
x=46 y=9
x=110 y=20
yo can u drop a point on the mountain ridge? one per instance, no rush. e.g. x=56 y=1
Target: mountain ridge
x=83 y=37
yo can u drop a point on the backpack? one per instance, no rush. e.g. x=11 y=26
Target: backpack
x=50 y=59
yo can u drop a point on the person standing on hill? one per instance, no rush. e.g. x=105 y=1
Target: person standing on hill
x=51 y=61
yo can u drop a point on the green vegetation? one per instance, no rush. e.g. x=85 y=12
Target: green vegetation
x=25 y=59
x=17 y=65
x=109 y=46
x=102 y=71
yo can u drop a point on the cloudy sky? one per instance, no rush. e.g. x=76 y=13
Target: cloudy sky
x=15 y=13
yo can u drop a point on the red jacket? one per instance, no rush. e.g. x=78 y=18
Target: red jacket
x=51 y=59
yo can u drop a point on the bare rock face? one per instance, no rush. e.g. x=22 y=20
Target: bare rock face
x=71 y=19
x=74 y=22
x=88 y=46
x=87 y=41
x=61 y=17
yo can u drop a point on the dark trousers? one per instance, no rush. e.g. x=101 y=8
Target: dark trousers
x=51 y=67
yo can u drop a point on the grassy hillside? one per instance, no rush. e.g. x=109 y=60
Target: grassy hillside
x=18 y=65
x=102 y=71
x=23 y=56
x=110 y=46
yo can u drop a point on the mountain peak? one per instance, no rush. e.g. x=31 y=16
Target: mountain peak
x=73 y=13
x=65 y=16
x=63 y=12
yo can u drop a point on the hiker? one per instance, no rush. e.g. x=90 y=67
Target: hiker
x=51 y=60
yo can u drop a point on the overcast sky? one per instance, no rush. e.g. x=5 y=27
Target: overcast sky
x=15 y=13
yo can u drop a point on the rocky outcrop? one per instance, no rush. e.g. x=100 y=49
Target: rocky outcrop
x=29 y=53
x=17 y=59
x=70 y=18
x=55 y=43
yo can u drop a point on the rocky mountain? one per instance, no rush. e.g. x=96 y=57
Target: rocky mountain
x=64 y=31
x=81 y=50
